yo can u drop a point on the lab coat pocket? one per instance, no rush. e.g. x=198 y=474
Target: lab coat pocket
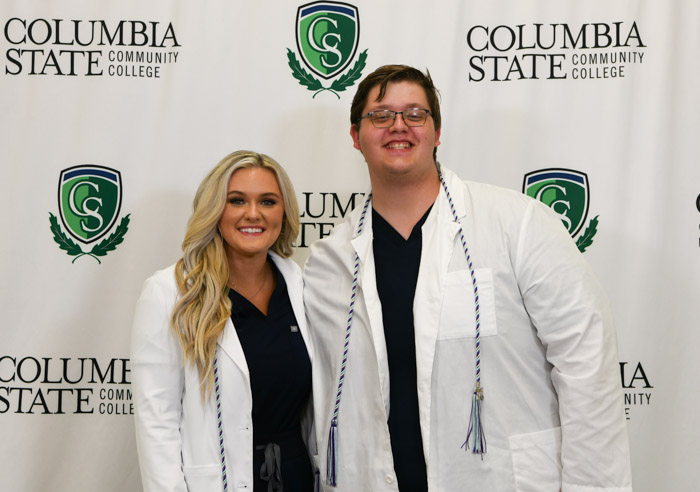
x=537 y=460
x=203 y=477
x=457 y=317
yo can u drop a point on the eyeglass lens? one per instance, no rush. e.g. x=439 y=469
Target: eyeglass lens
x=412 y=117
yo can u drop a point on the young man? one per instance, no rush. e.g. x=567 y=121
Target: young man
x=462 y=342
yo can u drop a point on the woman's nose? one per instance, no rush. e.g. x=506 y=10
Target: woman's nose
x=252 y=211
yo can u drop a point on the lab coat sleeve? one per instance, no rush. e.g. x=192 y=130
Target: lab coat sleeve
x=157 y=382
x=573 y=320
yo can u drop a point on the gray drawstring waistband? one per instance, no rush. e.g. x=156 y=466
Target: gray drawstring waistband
x=271 y=470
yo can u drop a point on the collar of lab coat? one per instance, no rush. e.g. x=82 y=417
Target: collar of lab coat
x=229 y=342
x=442 y=208
x=439 y=232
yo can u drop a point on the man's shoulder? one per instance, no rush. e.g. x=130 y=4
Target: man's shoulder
x=480 y=190
x=490 y=195
x=330 y=247
x=487 y=198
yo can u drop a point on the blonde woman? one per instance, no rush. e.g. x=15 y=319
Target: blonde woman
x=220 y=345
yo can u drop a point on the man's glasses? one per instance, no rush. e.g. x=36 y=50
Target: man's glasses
x=384 y=118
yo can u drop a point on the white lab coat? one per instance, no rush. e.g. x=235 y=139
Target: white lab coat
x=176 y=433
x=553 y=410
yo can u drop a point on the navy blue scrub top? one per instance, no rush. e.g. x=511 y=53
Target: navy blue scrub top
x=397 y=261
x=280 y=382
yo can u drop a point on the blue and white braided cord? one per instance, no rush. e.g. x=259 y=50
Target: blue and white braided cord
x=217 y=389
x=332 y=453
x=475 y=429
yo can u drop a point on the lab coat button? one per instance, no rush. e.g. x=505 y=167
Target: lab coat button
x=389 y=479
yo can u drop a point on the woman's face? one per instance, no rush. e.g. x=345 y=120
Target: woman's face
x=254 y=212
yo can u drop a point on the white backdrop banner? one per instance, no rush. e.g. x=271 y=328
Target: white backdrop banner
x=112 y=112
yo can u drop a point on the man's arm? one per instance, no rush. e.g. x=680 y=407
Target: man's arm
x=574 y=322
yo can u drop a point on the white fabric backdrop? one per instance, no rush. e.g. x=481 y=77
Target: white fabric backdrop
x=224 y=84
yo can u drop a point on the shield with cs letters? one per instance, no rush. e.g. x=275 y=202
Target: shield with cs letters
x=89 y=199
x=327 y=36
x=563 y=190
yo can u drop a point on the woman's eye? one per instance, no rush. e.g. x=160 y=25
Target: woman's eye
x=236 y=201
x=269 y=202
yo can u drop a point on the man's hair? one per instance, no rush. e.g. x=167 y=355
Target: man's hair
x=395 y=73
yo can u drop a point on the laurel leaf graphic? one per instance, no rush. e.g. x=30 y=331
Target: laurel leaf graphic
x=63 y=241
x=114 y=239
x=586 y=239
x=302 y=75
x=348 y=79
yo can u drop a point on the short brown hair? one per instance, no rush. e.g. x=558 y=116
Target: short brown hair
x=395 y=73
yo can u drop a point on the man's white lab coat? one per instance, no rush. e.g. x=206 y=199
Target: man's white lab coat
x=553 y=410
x=177 y=432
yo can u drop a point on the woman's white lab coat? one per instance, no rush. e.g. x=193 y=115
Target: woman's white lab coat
x=176 y=432
x=552 y=414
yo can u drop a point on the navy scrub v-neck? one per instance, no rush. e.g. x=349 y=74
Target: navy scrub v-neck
x=397 y=262
x=280 y=382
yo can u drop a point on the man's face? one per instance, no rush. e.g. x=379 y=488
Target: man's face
x=398 y=150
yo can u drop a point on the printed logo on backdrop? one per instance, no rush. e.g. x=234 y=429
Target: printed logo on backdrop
x=566 y=192
x=89 y=200
x=89 y=48
x=36 y=385
x=327 y=35
x=321 y=212
x=587 y=51
x=635 y=385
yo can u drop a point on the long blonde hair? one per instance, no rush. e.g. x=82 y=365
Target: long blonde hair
x=202 y=274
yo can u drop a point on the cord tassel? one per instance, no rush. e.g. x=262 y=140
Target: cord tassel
x=476 y=429
x=332 y=457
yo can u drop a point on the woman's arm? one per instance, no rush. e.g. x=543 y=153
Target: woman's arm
x=157 y=383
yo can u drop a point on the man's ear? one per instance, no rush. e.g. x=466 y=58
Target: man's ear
x=355 y=134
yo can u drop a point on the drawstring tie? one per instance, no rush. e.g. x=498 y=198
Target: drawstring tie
x=271 y=469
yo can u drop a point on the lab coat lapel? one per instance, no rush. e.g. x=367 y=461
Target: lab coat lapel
x=231 y=346
x=438 y=244
x=367 y=285
x=292 y=277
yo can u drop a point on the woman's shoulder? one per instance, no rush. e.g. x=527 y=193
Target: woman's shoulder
x=163 y=275
x=162 y=280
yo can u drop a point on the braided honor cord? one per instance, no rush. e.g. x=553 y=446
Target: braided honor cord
x=332 y=456
x=475 y=430
x=218 y=421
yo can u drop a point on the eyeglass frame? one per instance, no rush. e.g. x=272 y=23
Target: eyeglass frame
x=369 y=115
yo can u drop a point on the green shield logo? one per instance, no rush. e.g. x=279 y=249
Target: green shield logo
x=327 y=36
x=89 y=199
x=563 y=190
